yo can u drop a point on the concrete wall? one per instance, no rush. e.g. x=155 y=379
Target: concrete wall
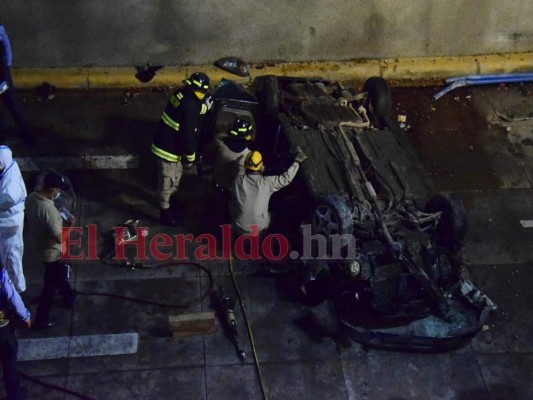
x=117 y=33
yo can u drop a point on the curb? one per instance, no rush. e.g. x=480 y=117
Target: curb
x=399 y=71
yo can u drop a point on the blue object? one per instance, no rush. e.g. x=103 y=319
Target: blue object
x=490 y=76
x=7 y=46
x=9 y=297
x=483 y=80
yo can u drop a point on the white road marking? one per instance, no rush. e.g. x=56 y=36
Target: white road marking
x=125 y=161
x=526 y=223
x=77 y=346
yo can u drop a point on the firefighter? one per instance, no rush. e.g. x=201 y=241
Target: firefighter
x=251 y=193
x=230 y=154
x=176 y=139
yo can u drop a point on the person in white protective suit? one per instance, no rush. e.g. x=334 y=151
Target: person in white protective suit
x=12 y=198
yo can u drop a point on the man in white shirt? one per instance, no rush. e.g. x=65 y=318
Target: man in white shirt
x=45 y=225
x=251 y=193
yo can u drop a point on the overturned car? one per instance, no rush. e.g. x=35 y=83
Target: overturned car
x=391 y=265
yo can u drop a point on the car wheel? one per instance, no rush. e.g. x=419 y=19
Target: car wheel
x=451 y=229
x=378 y=100
x=331 y=216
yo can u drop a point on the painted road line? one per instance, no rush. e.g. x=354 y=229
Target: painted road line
x=526 y=223
x=125 y=161
x=77 y=346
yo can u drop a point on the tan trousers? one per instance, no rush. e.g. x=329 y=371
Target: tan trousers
x=169 y=176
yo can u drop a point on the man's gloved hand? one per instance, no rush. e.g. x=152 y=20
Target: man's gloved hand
x=209 y=101
x=300 y=155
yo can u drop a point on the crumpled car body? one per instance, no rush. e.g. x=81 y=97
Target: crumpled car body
x=387 y=250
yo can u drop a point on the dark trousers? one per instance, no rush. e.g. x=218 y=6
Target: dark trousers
x=8 y=357
x=55 y=279
x=9 y=98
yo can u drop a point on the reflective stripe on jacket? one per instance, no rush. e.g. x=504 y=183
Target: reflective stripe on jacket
x=177 y=131
x=165 y=155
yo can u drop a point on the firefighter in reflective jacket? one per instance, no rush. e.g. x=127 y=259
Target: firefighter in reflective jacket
x=176 y=139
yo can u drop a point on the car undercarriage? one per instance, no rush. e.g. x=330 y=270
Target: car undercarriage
x=387 y=251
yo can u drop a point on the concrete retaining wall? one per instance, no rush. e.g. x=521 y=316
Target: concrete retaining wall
x=84 y=44
x=125 y=33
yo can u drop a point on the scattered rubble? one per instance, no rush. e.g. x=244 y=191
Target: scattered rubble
x=146 y=74
x=46 y=91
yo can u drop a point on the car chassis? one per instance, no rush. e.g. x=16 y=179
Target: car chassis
x=400 y=283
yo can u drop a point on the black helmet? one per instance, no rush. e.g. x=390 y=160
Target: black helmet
x=198 y=81
x=242 y=129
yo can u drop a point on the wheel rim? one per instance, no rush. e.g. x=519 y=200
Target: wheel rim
x=325 y=221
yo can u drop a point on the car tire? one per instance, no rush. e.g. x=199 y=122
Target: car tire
x=451 y=229
x=269 y=95
x=378 y=100
x=331 y=215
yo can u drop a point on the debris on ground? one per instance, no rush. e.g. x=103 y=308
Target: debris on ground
x=129 y=94
x=514 y=118
x=234 y=65
x=133 y=93
x=162 y=89
x=146 y=74
x=46 y=91
x=402 y=120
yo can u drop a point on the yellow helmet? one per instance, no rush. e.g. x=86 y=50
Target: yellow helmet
x=253 y=161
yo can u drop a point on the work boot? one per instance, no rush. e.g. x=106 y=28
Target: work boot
x=167 y=217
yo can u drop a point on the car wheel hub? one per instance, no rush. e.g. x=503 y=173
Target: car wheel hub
x=325 y=221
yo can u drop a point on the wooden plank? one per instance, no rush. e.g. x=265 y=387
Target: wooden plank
x=193 y=324
x=182 y=334
x=207 y=315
